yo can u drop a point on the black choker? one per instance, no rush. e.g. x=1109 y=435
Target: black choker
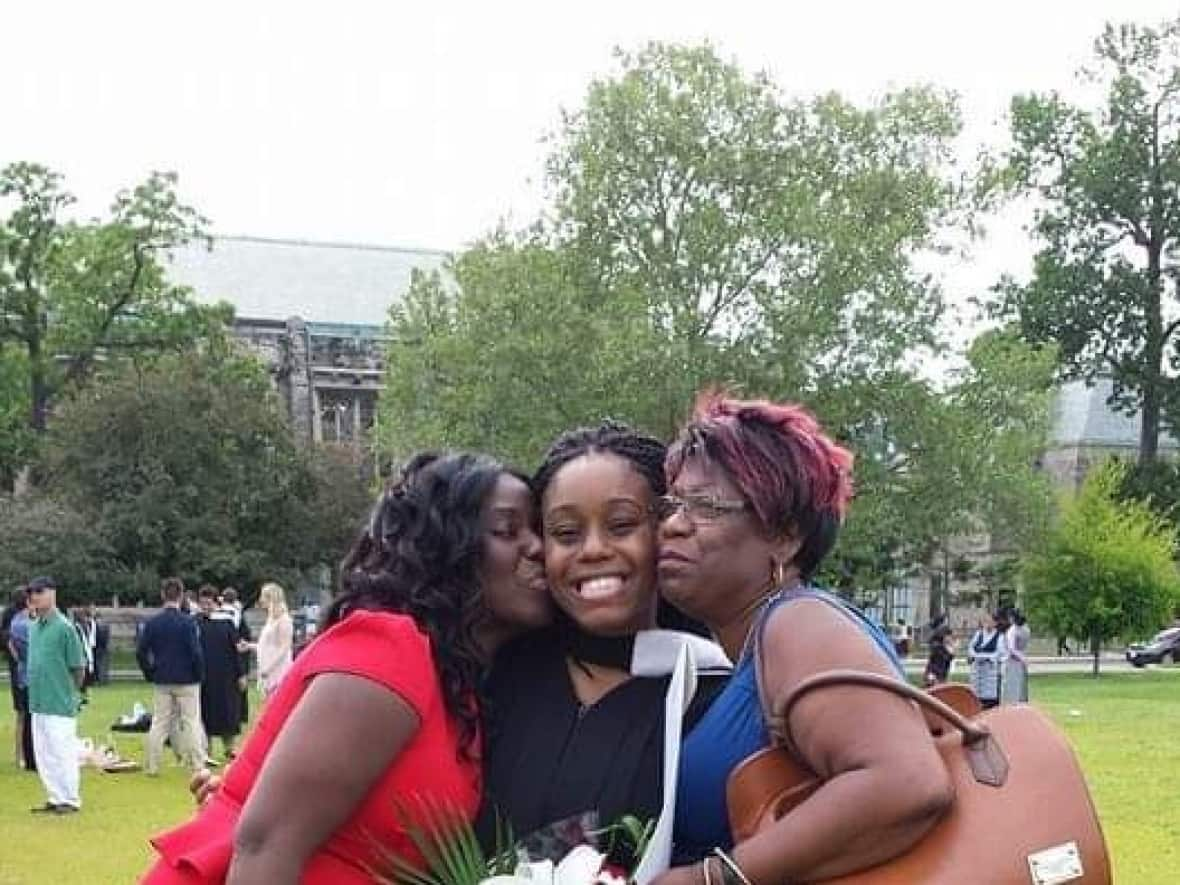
x=607 y=651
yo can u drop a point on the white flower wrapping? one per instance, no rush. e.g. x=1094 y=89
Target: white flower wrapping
x=582 y=866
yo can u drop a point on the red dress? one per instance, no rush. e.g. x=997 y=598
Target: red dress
x=390 y=650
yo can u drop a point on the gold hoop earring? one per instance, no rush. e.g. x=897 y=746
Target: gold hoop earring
x=778 y=572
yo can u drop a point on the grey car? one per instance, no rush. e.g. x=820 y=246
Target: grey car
x=1165 y=644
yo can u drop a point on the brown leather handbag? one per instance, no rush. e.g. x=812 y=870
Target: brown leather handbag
x=1022 y=812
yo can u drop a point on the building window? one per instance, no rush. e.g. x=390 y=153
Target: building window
x=337 y=416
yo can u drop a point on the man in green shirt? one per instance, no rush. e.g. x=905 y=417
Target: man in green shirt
x=56 y=668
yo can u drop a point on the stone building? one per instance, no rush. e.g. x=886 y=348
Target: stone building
x=1085 y=432
x=315 y=313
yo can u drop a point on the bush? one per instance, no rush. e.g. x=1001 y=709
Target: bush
x=188 y=467
x=1107 y=569
x=40 y=536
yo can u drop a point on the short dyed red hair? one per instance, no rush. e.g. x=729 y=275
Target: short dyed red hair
x=795 y=477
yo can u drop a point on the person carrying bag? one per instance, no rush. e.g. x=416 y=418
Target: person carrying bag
x=1022 y=812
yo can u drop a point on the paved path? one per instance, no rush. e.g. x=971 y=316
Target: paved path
x=1111 y=662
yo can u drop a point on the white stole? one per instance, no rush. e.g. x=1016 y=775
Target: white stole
x=683 y=655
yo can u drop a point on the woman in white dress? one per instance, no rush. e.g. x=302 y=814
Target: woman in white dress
x=274 y=641
x=985 y=651
x=1016 y=663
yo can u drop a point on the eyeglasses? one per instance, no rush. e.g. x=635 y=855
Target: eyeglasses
x=697 y=508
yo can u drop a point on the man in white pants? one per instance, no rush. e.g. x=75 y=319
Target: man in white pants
x=56 y=669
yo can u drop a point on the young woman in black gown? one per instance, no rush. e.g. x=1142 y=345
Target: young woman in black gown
x=569 y=729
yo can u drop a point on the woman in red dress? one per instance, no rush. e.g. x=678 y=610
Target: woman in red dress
x=378 y=717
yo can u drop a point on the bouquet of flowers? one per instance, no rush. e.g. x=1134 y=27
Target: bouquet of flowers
x=574 y=851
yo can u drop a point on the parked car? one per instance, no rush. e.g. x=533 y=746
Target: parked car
x=1165 y=644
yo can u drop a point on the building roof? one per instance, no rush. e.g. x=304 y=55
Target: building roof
x=1081 y=417
x=337 y=283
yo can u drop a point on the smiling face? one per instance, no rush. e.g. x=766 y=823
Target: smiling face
x=712 y=568
x=514 y=587
x=600 y=544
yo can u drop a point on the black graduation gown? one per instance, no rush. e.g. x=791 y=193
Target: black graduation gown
x=220 y=698
x=547 y=758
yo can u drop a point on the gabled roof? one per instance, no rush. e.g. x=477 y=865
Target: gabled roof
x=319 y=282
x=1081 y=417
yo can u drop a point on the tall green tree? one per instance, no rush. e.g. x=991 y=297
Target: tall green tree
x=936 y=465
x=74 y=293
x=1158 y=485
x=1107 y=569
x=507 y=350
x=187 y=466
x=16 y=439
x=703 y=230
x=766 y=242
x=1107 y=180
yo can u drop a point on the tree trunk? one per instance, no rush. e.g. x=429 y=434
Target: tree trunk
x=936 y=602
x=1149 y=432
x=1153 y=347
x=1149 y=429
x=38 y=385
x=1153 y=351
x=1096 y=650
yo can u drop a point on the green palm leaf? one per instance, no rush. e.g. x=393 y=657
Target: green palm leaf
x=449 y=847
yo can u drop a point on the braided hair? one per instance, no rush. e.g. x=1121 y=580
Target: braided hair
x=421 y=555
x=645 y=453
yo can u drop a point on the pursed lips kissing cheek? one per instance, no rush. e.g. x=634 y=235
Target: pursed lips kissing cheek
x=671 y=561
x=534 y=578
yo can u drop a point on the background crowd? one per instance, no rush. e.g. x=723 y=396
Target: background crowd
x=996 y=653
x=196 y=654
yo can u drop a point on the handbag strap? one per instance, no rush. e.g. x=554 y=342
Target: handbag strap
x=985 y=757
x=987 y=760
x=786 y=594
x=973 y=732
x=759 y=679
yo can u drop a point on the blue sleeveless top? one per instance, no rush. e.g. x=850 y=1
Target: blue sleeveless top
x=733 y=728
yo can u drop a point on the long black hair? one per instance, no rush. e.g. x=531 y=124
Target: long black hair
x=645 y=453
x=421 y=555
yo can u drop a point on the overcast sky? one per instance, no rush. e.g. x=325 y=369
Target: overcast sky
x=420 y=124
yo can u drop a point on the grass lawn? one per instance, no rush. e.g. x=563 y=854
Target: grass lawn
x=107 y=842
x=1126 y=731
x=1125 y=727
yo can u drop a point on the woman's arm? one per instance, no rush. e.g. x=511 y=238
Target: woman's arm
x=343 y=733
x=274 y=646
x=286 y=631
x=1002 y=647
x=885 y=783
x=264 y=651
x=1015 y=646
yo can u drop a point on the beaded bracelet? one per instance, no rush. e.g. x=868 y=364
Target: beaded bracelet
x=731 y=873
x=705 y=867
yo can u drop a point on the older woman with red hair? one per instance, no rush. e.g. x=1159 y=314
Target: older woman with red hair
x=757 y=495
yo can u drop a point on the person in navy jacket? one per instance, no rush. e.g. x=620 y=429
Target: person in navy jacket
x=169 y=654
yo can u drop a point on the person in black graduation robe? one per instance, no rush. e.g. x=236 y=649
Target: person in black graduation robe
x=548 y=758
x=221 y=686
